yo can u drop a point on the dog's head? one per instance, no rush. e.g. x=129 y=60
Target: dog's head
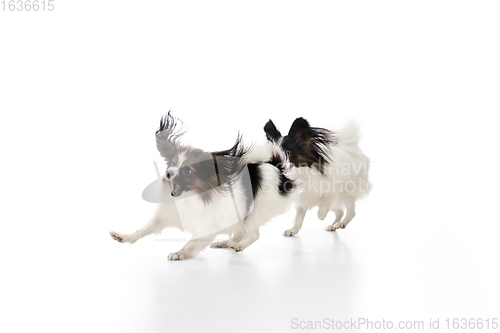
x=304 y=145
x=194 y=170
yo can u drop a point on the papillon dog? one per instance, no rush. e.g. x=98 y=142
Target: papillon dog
x=332 y=170
x=232 y=192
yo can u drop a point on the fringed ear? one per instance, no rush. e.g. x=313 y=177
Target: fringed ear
x=167 y=136
x=300 y=130
x=310 y=143
x=231 y=162
x=272 y=132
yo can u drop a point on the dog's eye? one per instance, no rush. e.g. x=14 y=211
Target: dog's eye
x=187 y=171
x=288 y=152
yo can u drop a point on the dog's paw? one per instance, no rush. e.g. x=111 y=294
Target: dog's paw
x=289 y=233
x=116 y=236
x=220 y=245
x=329 y=228
x=132 y=238
x=339 y=225
x=176 y=256
x=235 y=246
x=121 y=238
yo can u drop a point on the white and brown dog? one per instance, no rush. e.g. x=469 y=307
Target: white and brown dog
x=332 y=170
x=231 y=192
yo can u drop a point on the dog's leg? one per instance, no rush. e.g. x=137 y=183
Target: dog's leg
x=249 y=230
x=245 y=241
x=323 y=209
x=339 y=213
x=220 y=245
x=155 y=226
x=166 y=216
x=299 y=219
x=349 y=215
x=237 y=235
x=192 y=248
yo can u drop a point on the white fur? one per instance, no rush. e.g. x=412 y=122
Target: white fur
x=268 y=204
x=262 y=151
x=345 y=181
x=223 y=215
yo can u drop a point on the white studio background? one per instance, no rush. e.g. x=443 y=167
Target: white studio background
x=82 y=89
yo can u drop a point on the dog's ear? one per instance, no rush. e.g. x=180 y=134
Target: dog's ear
x=167 y=136
x=167 y=149
x=272 y=132
x=300 y=130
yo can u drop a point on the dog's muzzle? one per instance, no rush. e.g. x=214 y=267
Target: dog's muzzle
x=177 y=190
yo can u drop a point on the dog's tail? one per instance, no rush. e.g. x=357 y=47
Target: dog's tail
x=348 y=135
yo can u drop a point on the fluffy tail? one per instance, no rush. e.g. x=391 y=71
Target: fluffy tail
x=349 y=134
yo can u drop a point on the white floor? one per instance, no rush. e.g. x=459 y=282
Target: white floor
x=371 y=270
x=392 y=269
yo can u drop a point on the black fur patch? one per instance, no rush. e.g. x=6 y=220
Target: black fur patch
x=286 y=185
x=272 y=132
x=255 y=177
x=307 y=146
x=278 y=162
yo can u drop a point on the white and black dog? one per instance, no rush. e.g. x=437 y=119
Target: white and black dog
x=231 y=192
x=332 y=170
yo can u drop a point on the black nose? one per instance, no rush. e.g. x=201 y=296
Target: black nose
x=168 y=175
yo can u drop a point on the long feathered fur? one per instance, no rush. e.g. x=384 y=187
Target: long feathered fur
x=200 y=181
x=343 y=176
x=168 y=135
